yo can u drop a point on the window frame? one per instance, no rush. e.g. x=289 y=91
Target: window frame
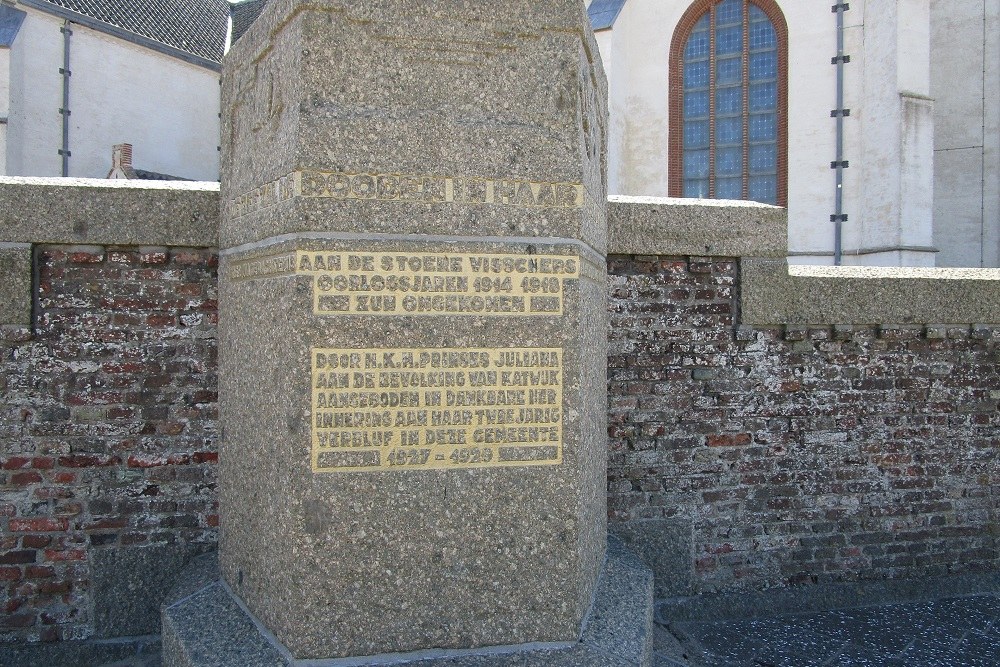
x=679 y=41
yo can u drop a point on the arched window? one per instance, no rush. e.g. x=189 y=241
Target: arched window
x=728 y=102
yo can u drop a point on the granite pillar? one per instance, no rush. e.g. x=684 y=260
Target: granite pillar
x=413 y=325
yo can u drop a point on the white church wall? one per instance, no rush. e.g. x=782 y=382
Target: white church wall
x=34 y=129
x=4 y=106
x=897 y=137
x=639 y=102
x=991 y=131
x=965 y=83
x=119 y=92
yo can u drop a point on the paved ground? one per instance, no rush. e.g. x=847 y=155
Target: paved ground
x=953 y=632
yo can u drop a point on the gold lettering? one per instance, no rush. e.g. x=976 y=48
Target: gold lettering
x=423 y=409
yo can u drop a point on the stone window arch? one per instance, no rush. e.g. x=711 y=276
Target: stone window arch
x=728 y=87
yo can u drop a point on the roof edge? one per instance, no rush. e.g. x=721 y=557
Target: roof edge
x=11 y=19
x=121 y=33
x=606 y=13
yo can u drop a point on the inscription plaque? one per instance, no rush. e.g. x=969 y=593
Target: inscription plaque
x=413 y=189
x=432 y=409
x=394 y=283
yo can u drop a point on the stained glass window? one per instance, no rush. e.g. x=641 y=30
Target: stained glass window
x=730 y=85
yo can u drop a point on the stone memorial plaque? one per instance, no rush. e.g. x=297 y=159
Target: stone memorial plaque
x=408 y=189
x=426 y=409
x=437 y=283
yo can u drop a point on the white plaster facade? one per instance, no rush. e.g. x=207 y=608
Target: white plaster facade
x=4 y=103
x=922 y=138
x=120 y=92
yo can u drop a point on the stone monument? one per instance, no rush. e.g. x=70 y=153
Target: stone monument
x=413 y=328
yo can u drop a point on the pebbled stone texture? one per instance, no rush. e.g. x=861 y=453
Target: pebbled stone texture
x=324 y=100
x=948 y=632
x=205 y=626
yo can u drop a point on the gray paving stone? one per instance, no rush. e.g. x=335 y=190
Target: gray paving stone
x=932 y=646
x=977 y=650
x=950 y=632
x=970 y=613
x=857 y=657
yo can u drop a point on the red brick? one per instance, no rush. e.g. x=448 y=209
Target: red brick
x=10 y=574
x=43 y=463
x=42 y=525
x=25 y=478
x=122 y=257
x=22 y=557
x=190 y=257
x=145 y=461
x=39 y=572
x=85 y=256
x=58 y=555
x=161 y=320
x=24 y=620
x=16 y=463
x=55 y=587
x=35 y=541
x=52 y=492
x=154 y=257
x=729 y=440
x=87 y=461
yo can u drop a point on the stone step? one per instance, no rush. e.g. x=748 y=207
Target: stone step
x=205 y=626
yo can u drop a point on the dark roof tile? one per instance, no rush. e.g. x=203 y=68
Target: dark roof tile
x=244 y=14
x=197 y=27
x=604 y=12
x=10 y=24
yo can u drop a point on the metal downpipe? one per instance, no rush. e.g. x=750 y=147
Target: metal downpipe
x=67 y=32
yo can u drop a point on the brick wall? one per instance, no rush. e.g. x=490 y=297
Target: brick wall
x=798 y=454
x=788 y=454
x=109 y=430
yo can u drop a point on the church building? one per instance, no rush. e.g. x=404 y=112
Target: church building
x=876 y=122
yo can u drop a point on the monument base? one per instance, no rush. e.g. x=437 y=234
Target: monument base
x=205 y=624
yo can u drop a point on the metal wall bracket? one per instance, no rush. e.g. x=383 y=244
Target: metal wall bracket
x=840 y=59
x=844 y=164
x=844 y=6
x=839 y=218
x=836 y=113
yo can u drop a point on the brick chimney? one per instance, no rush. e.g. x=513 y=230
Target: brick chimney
x=121 y=162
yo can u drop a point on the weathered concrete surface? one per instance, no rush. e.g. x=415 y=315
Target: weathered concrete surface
x=130 y=583
x=666 y=546
x=204 y=625
x=670 y=226
x=774 y=293
x=15 y=287
x=394 y=131
x=106 y=212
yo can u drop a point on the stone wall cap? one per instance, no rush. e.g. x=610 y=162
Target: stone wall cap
x=688 y=201
x=95 y=211
x=697 y=227
x=890 y=272
x=55 y=181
